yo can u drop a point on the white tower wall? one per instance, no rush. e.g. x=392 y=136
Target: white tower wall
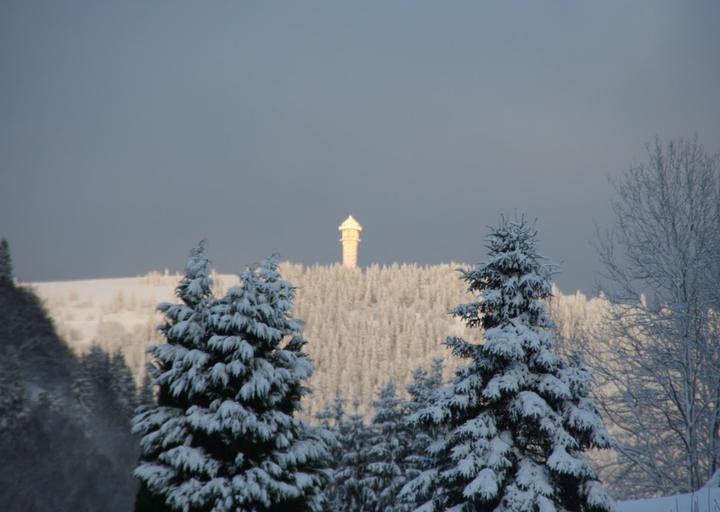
x=350 y=239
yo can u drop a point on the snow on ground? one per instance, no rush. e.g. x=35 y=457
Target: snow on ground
x=701 y=501
x=706 y=499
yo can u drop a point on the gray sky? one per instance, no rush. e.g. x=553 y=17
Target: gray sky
x=129 y=130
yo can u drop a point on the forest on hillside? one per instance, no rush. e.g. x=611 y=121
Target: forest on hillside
x=365 y=327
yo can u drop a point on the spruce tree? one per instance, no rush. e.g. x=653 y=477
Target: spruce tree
x=171 y=456
x=518 y=415
x=424 y=385
x=223 y=436
x=389 y=446
x=267 y=459
x=6 y=268
x=421 y=393
x=92 y=381
x=350 y=490
x=332 y=418
x=332 y=414
x=122 y=384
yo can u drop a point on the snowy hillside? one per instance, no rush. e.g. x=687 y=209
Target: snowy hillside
x=364 y=327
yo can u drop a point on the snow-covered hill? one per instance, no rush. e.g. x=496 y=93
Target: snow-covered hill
x=363 y=327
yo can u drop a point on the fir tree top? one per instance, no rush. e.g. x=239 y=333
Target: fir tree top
x=178 y=363
x=196 y=284
x=512 y=284
x=250 y=323
x=6 y=269
x=260 y=305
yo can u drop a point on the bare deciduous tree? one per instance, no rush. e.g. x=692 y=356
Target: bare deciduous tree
x=659 y=369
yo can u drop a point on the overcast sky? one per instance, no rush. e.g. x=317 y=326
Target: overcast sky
x=130 y=130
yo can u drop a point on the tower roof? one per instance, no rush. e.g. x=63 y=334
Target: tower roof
x=350 y=223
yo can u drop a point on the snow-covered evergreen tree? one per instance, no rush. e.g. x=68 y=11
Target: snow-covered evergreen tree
x=6 y=269
x=93 y=380
x=374 y=461
x=332 y=418
x=518 y=415
x=332 y=414
x=271 y=460
x=227 y=440
x=122 y=384
x=104 y=381
x=349 y=491
x=171 y=459
x=421 y=392
x=389 y=446
x=424 y=385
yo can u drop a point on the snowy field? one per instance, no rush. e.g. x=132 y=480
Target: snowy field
x=706 y=499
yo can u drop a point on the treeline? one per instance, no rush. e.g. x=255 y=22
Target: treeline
x=364 y=327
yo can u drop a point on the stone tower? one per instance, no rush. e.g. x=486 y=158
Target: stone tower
x=350 y=239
